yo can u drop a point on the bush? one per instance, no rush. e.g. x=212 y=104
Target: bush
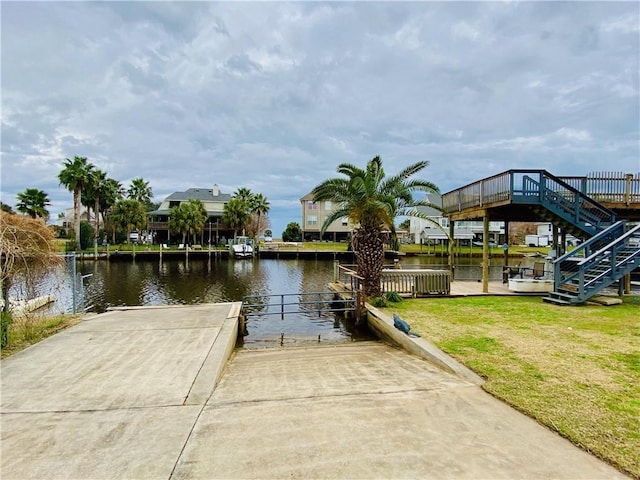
x=393 y=297
x=5 y=321
x=70 y=246
x=86 y=235
x=293 y=233
x=378 y=302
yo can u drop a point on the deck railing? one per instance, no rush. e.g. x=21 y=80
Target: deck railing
x=604 y=187
x=489 y=190
x=410 y=281
x=609 y=187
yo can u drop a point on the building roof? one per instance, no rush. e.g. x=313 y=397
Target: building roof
x=203 y=194
x=438 y=234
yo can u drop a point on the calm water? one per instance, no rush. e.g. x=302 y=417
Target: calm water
x=178 y=281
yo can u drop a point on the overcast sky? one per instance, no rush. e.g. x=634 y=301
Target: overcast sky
x=273 y=96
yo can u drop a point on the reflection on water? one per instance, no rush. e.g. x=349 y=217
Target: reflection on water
x=212 y=280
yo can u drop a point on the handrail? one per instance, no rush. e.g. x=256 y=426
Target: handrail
x=565 y=201
x=601 y=260
x=612 y=244
x=593 y=240
x=502 y=187
x=255 y=309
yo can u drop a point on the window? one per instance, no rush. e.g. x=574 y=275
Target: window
x=312 y=219
x=173 y=203
x=444 y=222
x=312 y=205
x=327 y=205
x=345 y=221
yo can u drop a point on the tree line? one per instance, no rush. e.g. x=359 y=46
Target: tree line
x=124 y=210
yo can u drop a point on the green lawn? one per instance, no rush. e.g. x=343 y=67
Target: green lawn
x=574 y=369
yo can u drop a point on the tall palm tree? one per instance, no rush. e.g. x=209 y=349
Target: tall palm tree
x=235 y=214
x=74 y=176
x=260 y=206
x=140 y=190
x=93 y=191
x=371 y=201
x=111 y=192
x=244 y=193
x=33 y=202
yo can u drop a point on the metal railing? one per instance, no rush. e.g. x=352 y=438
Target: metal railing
x=316 y=303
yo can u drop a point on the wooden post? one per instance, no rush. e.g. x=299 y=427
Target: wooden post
x=485 y=253
x=451 y=247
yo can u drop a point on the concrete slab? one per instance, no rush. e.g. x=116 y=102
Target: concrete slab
x=135 y=443
x=132 y=394
x=367 y=410
x=106 y=398
x=130 y=358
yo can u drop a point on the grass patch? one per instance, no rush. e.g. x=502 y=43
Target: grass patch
x=27 y=330
x=574 y=369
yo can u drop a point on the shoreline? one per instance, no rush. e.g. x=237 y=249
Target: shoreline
x=130 y=255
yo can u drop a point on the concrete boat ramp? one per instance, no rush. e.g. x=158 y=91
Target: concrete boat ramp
x=159 y=393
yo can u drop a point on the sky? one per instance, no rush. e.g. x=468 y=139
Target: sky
x=273 y=96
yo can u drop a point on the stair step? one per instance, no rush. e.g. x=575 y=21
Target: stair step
x=562 y=296
x=556 y=301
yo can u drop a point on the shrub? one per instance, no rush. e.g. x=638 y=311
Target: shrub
x=378 y=302
x=86 y=235
x=4 y=328
x=393 y=297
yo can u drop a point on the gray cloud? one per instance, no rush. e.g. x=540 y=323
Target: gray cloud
x=274 y=95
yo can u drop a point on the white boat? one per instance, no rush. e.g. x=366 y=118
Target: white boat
x=241 y=247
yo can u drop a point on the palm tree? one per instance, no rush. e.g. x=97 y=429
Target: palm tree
x=128 y=215
x=259 y=206
x=94 y=190
x=244 y=193
x=33 y=202
x=371 y=202
x=188 y=218
x=111 y=192
x=236 y=214
x=140 y=190
x=74 y=176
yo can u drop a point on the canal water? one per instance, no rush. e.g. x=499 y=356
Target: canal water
x=211 y=280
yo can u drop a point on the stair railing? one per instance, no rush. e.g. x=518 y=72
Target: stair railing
x=614 y=255
x=567 y=266
x=563 y=200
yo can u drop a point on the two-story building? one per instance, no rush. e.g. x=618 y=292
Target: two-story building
x=313 y=217
x=214 y=232
x=436 y=230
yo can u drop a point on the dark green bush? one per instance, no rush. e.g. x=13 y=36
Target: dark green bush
x=5 y=321
x=86 y=235
x=379 y=302
x=393 y=297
